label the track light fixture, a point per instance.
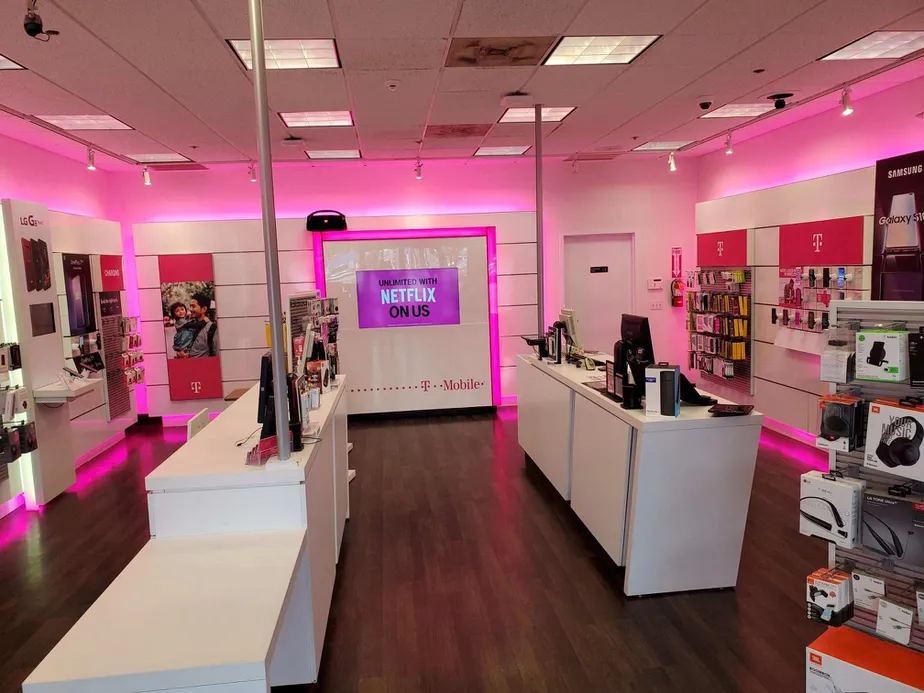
(671, 164)
(728, 145)
(91, 160)
(418, 170)
(253, 173)
(845, 102)
(146, 175)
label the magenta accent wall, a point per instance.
(882, 125)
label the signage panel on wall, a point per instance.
(829, 242)
(723, 249)
(81, 315)
(111, 278)
(407, 297)
(899, 215)
(190, 321)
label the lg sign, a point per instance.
(31, 221)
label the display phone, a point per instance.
(45, 265)
(28, 264)
(826, 277)
(841, 277)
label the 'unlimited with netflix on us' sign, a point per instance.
(408, 298)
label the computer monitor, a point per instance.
(569, 318)
(636, 330)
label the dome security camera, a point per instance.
(393, 84)
(779, 103)
(33, 24)
(705, 105)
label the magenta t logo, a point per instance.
(816, 242)
(720, 247)
(196, 386)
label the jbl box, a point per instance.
(662, 390)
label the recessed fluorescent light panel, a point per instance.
(334, 154)
(317, 119)
(165, 158)
(7, 64)
(599, 50)
(290, 54)
(528, 115)
(882, 45)
(662, 146)
(502, 151)
(84, 122)
(740, 110)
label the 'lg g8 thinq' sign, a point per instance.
(408, 298)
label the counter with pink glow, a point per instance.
(667, 498)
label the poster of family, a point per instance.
(187, 288)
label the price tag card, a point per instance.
(894, 622)
(867, 590)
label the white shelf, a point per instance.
(58, 393)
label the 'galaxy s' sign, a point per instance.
(408, 298)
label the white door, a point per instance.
(599, 278)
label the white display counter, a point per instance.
(667, 498)
(234, 589)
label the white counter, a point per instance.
(665, 497)
(214, 459)
(190, 613)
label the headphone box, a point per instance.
(841, 419)
(829, 508)
(894, 437)
(882, 355)
(662, 390)
(845, 659)
(893, 527)
(916, 358)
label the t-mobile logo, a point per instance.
(816, 242)
(196, 386)
(720, 247)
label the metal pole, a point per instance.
(540, 246)
(280, 384)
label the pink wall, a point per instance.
(882, 125)
(61, 184)
(638, 196)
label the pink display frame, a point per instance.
(489, 233)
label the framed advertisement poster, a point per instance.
(190, 315)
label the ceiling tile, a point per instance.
(910, 22)
(462, 153)
(749, 19)
(521, 18)
(525, 132)
(466, 107)
(409, 154)
(469, 144)
(497, 79)
(608, 18)
(29, 93)
(393, 18)
(281, 18)
(571, 85)
(702, 51)
(377, 106)
(389, 54)
(307, 90)
(845, 21)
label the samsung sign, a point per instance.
(907, 171)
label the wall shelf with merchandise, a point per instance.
(883, 558)
(719, 322)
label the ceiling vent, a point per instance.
(292, 141)
(498, 52)
(191, 166)
(441, 132)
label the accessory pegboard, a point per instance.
(720, 315)
(901, 578)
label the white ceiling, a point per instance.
(166, 70)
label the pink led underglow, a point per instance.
(16, 501)
(15, 527)
(182, 419)
(805, 453)
(106, 456)
(490, 235)
(101, 448)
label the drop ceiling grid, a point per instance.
(184, 88)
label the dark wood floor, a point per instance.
(461, 571)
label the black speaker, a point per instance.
(326, 220)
